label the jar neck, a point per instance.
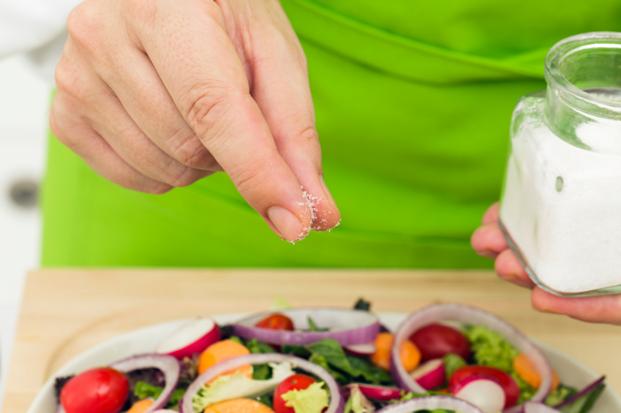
(583, 75)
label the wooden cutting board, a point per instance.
(66, 312)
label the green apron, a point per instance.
(413, 104)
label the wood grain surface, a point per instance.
(65, 312)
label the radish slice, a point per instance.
(470, 315)
(166, 364)
(430, 375)
(531, 407)
(191, 338)
(379, 393)
(487, 395)
(431, 403)
(348, 327)
(361, 350)
(336, 399)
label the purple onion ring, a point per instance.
(336, 400)
(469, 315)
(431, 403)
(166, 364)
(348, 327)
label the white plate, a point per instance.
(146, 339)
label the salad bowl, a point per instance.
(145, 340)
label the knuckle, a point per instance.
(190, 151)
(248, 180)
(83, 25)
(184, 178)
(57, 120)
(66, 79)
(207, 104)
(308, 135)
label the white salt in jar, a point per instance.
(561, 203)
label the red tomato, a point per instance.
(276, 321)
(101, 390)
(437, 340)
(466, 374)
(295, 382)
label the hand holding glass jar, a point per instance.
(489, 241)
(558, 228)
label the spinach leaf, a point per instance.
(329, 354)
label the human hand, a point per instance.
(156, 94)
(488, 241)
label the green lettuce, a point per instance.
(452, 363)
(490, 348)
(238, 385)
(358, 403)
(313, 399)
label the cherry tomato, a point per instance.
(437, 340)
(466, 374)
(102, 390)
(295, 382)
(276, 321)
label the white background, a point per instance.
(23, 118)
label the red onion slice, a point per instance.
(166, 364)
(468, 315)
(531, 407)
(361, 350)
(431, 403)
(336, 400)
(348, 327)
(376, 392)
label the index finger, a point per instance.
(205, 77)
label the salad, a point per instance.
(445, 358)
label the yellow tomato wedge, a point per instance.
(527, 371)
(221, 351)
(409, 354)
(238, 406)
(141, 406)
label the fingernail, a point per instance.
(286, 223)
(323, 224)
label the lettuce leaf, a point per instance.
(313, 399)
(238, 385)
(490, 348)
(358, 403)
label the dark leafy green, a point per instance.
(329, 354)
(362, 305)
(144, 390)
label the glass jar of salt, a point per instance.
(561, 203)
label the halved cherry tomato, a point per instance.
(276, 321)
(295, 382)
(102, 390)
(466, 374)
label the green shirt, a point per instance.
(413, 103)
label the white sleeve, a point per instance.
(26, 25)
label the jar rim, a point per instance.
(573, 44)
